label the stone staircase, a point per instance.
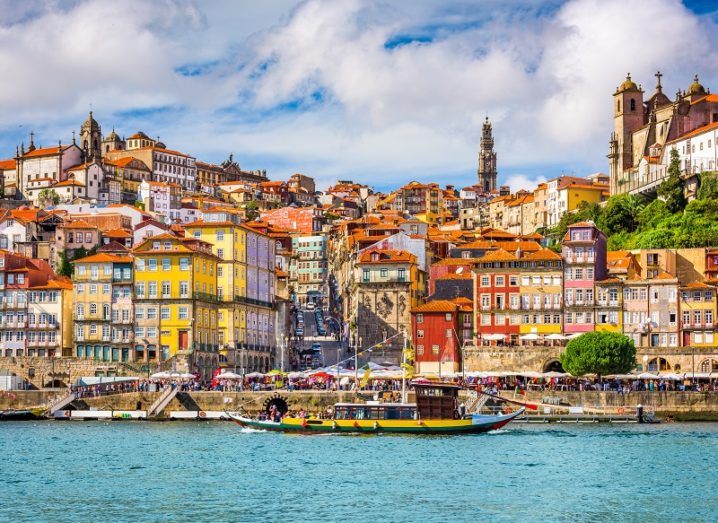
(168, 394)
(62, 403)
(475, 403)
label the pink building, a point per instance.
(584, 258)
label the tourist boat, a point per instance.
(436, 411)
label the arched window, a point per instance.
(658, 364)
(709, 366)
(633, 104)
(618, 106)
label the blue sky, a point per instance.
(380, 92)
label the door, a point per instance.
(183, 340)
(686, 339)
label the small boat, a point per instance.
(435, 412)
(19, 415)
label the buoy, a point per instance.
(356, 424)
(202, 414)
(67, 413)
(304, 423)
(621, 410)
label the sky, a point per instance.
(380, 92)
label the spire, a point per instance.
(658, 76)
(31, 147)
(73, 137)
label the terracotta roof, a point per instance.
(8, 165)
(79, 224)
(440, 306)
(609, 280)
(696, 132)
(582, 224)
(117, 233)
(454, 261)
(707, 98)
(280, 273)
(125, 161)
(497, 255)
(387, 256)
(697, 285)
(69, 182)
(48, 151)
(53, 284)
(543, 254)
(104, 258)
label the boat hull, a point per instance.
(471, 425)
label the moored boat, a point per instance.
(435, 412)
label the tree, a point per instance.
(250, 211)
(48, 197)
(66, 268)
(599, 353)
(672, 190)
(620, 214)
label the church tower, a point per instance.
(628, 116)
(91, 139)
(487, 159)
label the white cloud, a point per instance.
(313, 88)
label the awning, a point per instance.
(531, 337)
(493, 337)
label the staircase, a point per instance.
(474, 404)
(159, 405)
(62, 403)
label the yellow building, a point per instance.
(540, 290)
(176, 301)
(609, 305)
(49, 317)
(221, 228)
(698, 314)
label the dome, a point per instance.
(628, 85)
(160, 145)
(139, 135)
(696, 87)
(113, 136)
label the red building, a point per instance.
(711, 271)
(495, 277)
(439, 330)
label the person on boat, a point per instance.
(302, 413)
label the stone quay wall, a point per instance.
(44, 372)
(686, 406)
(539, 358)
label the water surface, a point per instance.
(209, 471)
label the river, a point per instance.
(209, 471)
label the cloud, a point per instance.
(382, 93)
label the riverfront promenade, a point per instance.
(681, 406)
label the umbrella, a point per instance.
(255, 375)
(321, 375)
(555, 337)
(554, 374)
(647, 376)
(530, 337)
(228, 376)
(493, 337)
(670, 376)
(531, 374)
(160, 375)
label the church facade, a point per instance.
(646, 130)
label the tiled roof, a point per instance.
(543, 254)
(440, 306)
(387, 256)
(8, 165)
(48, 151)
(79, 224)
(117, 233)
(104, 258)
(497, 255)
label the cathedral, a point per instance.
(487, 159)
(646, 130)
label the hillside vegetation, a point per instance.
(633, 222)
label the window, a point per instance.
(449, 333)
(151, 313)
(140, 289)
(165, 313)
(365, 275)
(420, 333)
(166, 289)
(419, 318)
(220, 235)
(153, 289)
(500, 281)
(166, 264)
(184, 264)
(93, 308)
(383, 272)
(220, 253)
(184, 289)
(183, 313)
(485, 281)
(419, 350)
(435, 349)
(152, 264)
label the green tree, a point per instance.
(621, 214)
(66, 268)
(250, 211)
(48, 197)
(672, 188)
(599, 353)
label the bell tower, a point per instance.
(487, 159)
(91, 139)
(628, 115)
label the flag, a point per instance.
(365, 378)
